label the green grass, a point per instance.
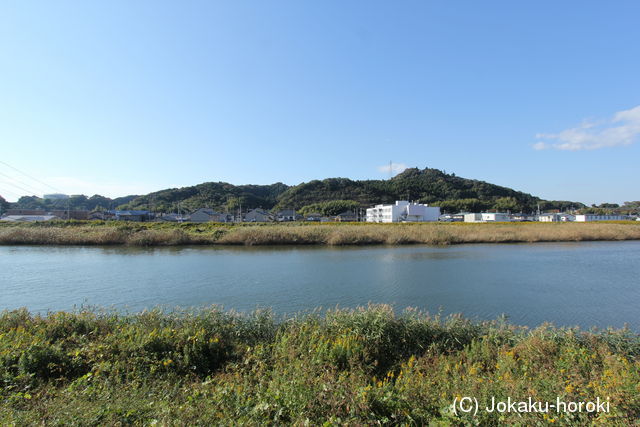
(167, 234)
(363, 366)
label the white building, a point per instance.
(487, 217)
(592, 217)
(556, 217)
(403, 211)
(28, 218)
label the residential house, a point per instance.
(403, 211)
(487, 217)
(130, 215)
(556, 217)
(208, 215)
(347, 216)
(287, 215)
(172, 217)
(97, 216)
(314, 216)
(548, 217)
(257, 215)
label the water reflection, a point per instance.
(569, 284)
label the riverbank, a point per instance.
(166, 234)
(362, 366)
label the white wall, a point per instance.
(590, 217)
(487, 217)
(402, 210)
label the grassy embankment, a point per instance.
(158, 234)
(364, 366)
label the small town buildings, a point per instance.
(172, 217)
(257, 215)
(96, 216)
(487, 217)
(314, 216)
(60, 213)
(27, 212)
(548, 217)
(521, 217)
(556, 217)
(472, 217)
(129, 215)
(208, 215)
(287, 215)
(451, 218)
(347, 216)
(593, 217)
(28, 218)
(403, 211)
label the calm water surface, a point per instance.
(586, 284)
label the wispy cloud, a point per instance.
(622, 129)
(392, 168)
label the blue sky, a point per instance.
(126, 97)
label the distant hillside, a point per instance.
(431, 186)
(81, 202)
(216, 195)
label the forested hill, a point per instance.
(431, 186)
(77, 202)
(427, 186)
(216, 195)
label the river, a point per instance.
(583, 284)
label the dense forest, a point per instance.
(451, 192)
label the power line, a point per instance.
(29, 176)
(37, 191)
(17, 186)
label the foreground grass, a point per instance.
(158, 234)
(364, 366)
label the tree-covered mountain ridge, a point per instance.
(438, 188)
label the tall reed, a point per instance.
(150, 234)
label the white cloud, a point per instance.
(392, 168)
(622, 130)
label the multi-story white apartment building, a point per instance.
(403, 211)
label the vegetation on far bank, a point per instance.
(439, 188)
(362, 366)
(173, 234)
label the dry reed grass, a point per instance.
(435, 234)
(316, 234)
